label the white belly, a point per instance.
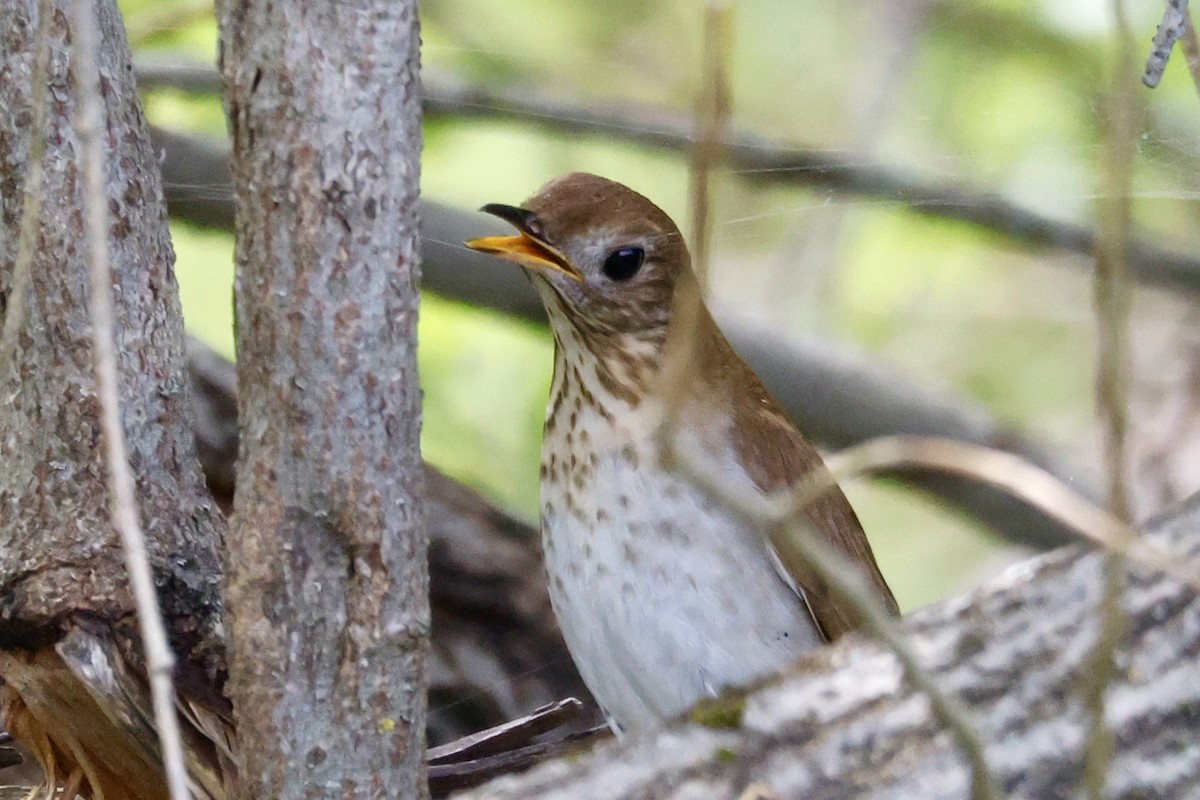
(663, 598)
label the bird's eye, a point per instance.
(623, 263)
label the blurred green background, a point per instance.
(1001, 96)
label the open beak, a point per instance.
(527, 248)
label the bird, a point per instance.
(664, 596)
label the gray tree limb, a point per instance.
(843, 724)
(838, 397)
(326, 579)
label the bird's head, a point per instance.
(604, 258)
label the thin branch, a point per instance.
(1170, 30)
(35, 173)
(711, 115)
(447, 777)
(1112, 295)
(90, 125)
(1005, 471)
(760, 160)
(509, 735)
(712, 122)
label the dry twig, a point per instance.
(160, 660)
(511, 747)
(712, 121)
(1005, 471)
(1112, 295)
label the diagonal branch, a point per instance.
(763, 161)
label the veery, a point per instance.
(663, 596)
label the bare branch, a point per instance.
(446, 776)
(713, 107)
(1112, 295)
(760, 160)
(509, 735)
(1006, 471)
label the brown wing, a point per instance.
(777, 456)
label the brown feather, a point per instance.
(776, 456)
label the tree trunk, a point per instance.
(327, 584)
(62, 573)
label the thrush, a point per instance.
(664, 596)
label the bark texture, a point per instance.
(326, 570)
(843, 723)
(62, 573)
(60, 559)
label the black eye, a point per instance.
(623, 264)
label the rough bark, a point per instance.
(836, 396)
(843, 723)
(326, 570)
(59, 556)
